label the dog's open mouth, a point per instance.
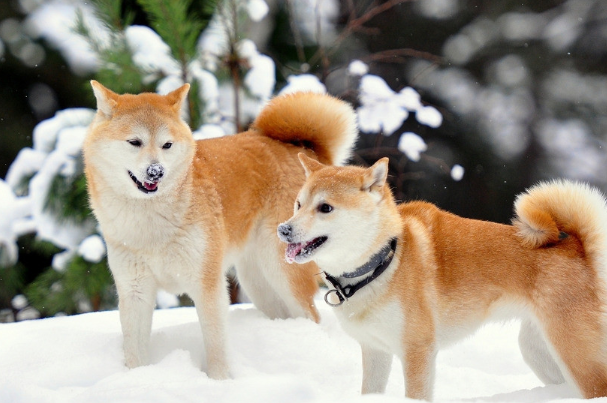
(301, 250)
(145, 187)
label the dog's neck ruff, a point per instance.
(378, 263)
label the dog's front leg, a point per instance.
(376, 369)
(419, 364)
(212, 304)
(136, 301)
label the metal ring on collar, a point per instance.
(339, 296)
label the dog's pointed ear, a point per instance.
(178, 96)
(375, 176)
(309, 165)
(106, 99)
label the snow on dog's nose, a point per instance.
(285, 232)
(153, 175)
(155, 172)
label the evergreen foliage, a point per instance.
(116, 62)
(171, 20)
(68, 199)
(12, 281)
(82, 286)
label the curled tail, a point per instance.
(319, 122)
(546, 211)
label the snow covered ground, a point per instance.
(79, 359)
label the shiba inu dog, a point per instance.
(408, 279)
(176, 214)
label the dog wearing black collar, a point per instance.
(409, 279)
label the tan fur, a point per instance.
(216, 207)
(450, 274)
(308, 122)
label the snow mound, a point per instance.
(79, 359)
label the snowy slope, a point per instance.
(79, 359)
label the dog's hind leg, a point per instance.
(376, 369)
(253, 281)
(295, 287)
(537, 355)
(577, 338)
(278, 289)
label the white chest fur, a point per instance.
(152, 237)
(140, 224)
(379, 327)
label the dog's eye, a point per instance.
(297, 205)
(325, 208)
(167, 145)
(134, 143)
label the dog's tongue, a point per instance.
(292, 250)
(150, 185)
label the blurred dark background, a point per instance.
(508, 77)
(521, 85)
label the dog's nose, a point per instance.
(285, 232)
(155, 172)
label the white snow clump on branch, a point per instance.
(385, 110)
(261, 77)
(457, 172)
(150, 53)
(56, 151)
(92, 249)
(54, 21)
(316, 19)
(257, 9)
(412, 145)
(303, 83)
(14, 221)
(357, 68)
(429, 116)
(208, 131)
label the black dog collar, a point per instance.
(378, 262)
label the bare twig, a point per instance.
(324, 60)
(438, 162)
(398, 55)
(234, 65)
(296, 33)
(355, 24)
(229, 16)
(375, 10)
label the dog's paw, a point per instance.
(219, 373)
(133, 361)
